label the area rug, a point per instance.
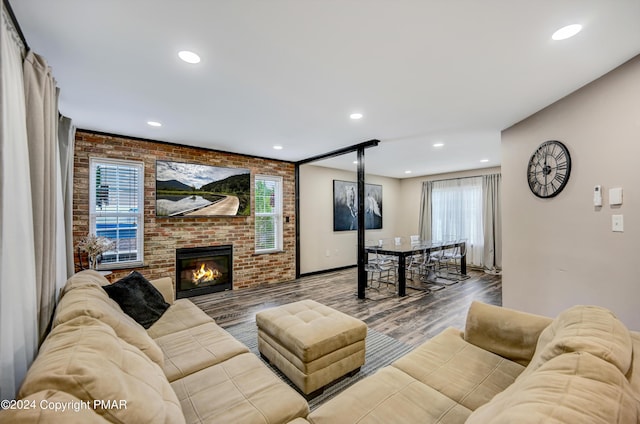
(380, 351)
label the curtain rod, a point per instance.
(15, 23)
(461, 178)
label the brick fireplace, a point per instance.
(203, 270)
(162, 236)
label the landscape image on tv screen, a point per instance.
(189, 190)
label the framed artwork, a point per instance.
(345, 206)
(193, 190)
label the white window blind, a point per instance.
(268, 213)
(117, 209)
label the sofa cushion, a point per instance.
(506, 332)
(634, 371)
(389, 396)
(86, 278)
(93, 301)
(461, 371)
(165, 287)
(573, 387)
(138, 298)
(239, 390)
(52, 406)
(196, 348)
(85, 358)
(182, 315)
(591, 329)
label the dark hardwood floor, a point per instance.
(412, 319)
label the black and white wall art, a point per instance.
(345, 206)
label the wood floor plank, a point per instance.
(412, 319)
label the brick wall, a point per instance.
(163, 235)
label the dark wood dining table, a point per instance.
(405, 250)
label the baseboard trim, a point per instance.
(324, 271)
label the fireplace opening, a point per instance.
(203, 270)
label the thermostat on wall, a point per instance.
(597, 195)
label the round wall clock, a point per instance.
(549, 169)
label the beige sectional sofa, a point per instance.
(102, 366)
(506, 367)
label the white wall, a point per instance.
(320, 247)
(561, 251)
(411, 192)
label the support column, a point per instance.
(362, 273)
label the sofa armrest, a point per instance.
(506, 332)
(165, 287)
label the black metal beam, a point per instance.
(362, 273)
(297, 220)
(339, 152)
(359, 148)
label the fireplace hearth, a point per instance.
(203, 270)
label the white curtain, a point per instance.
(42, 135)
(18, 299)
(456, 213)
(60, 234)
(492, 211)
(425, 211)
(466, 208)
(66, 142)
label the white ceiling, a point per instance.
(290, 72)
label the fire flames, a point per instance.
(205, 274)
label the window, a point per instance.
(456, 213)
(268, 213)
(116, 208)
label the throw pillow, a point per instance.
(138, 298)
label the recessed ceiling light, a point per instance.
(355, 162)
(277, 147)
(438, 144)
(154, 124)
(484, 160)
(189, 57)
(355, 116)
(566, 32)
(407, 172)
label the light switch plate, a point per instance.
(617, 223)
(615, 196)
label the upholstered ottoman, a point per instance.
(311, 344)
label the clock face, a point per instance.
(549, 169)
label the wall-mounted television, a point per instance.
(195, 190)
